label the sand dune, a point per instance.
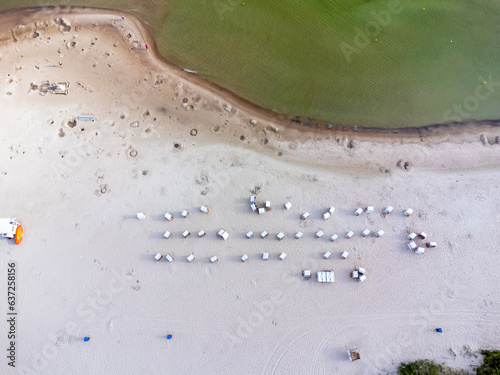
(163, 140)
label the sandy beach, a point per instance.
(164, 140)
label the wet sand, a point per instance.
(165, 140)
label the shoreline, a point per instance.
(313, 127)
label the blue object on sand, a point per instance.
(169, 337)
(86, 338)
(439, 330)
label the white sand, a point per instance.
(86, 268)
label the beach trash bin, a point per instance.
(334, 237)
(349, 234)
(280, 236)
(319, 234)
(327, 255)
(365, 233)
(158, 256)
(304, 216)
(282, 256)
(344, 255)
(358, 211)
(369, 209)
(288, 205)
(141, 215)
(380, 233)
(249, 234)
(298, 235)
(244, 258)
(265, 256)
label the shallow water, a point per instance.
(352, 62)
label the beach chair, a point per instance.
(282, 256)
(169, 217)
(280, 236)
(369, 210)
(344, 255)
(298, 235)
(288, 205)
(327, 255)
(249, 234)
(358, 211)
(265, 256)
(349, 234)
(244, 258)
(366, 232)
(167, 234)
(334, 237)
(190, 258)
(158, 256)
(141, 215)
(319, 234)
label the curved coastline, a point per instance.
(311, 127)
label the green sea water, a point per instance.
(372, 63)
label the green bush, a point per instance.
(426, 367)
(491, 363)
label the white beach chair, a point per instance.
(331, 210)
(354, 274)
(282, 256)
(305, 215)
(267, 205)
(262, 211)
(362, 278)
(298, 235)
(244, 258)
(253, 207)
(422, 235)
(358, 211)
(411, 236)
(361, 271)
(326, 216)
(169, 258)
(264, 234)
(201, 233)
(252, 199)
(369, 210)
(431, 244)
(169, 217)
(288, 205)
(380, 233)
(344, 255)
(184, 214)
(249, 234)
(420, 250)
(204, 209)
(334, 237)
(141, 215)
(388, 210)
(349, 234)
(366, 232)
(214, 259)
(158, 256)
(280, 236)
(265, 256)
(306, 274)
(408, 212)
(319, 234)
(412, 245)
(190, 258)
(167, 234)
(327, 255)
(186, 234)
